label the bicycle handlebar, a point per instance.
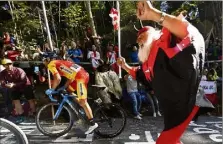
(51, 98)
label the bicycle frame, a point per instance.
(65, 100)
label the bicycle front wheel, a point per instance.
(8, 130)
(111, 120)
(54, 128)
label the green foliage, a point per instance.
(128, 12)
(74, 14)
(26, 21)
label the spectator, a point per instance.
(63, 50)
(132, 90)
(134, 55)
(46, 47)
(13, 54)
(148, 97)
(17, 83)
(22, 56)
(204, 76)
(94, 56)
(111, 58)
(212, 74)
(75, 53)
(6, 38)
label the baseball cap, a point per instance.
(6, 61)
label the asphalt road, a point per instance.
(208, 130)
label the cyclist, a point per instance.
(77, 79)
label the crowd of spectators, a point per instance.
(87, 50)
(91, 50)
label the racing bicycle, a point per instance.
(111, 118)
(11, 133)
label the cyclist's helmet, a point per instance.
(48, 56)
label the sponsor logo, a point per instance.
(67, 70)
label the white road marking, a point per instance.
(88, 138)
(27, 123)
(216, 137)
(194, 124)
(63, 139)
(213, 122)
(218, 125)
(149, 137)
(205, 130)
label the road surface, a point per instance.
(208, 130)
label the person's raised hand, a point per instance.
(145, 10)
(121, 61)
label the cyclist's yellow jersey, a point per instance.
(66, 69)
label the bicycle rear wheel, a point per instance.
(111, 120)
(54, 128)
(7, 127)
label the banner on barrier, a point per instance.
(209, 87)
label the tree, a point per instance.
(90, 18)
(26, 19)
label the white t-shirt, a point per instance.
(94, 58)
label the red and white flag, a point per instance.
(114, 15)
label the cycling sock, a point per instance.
(91, 122)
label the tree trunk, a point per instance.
(53, 24)
(91, 21)
(14, 18)
(40, 22)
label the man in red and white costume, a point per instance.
(172, 61)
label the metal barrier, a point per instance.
(88, 63)
(40, 62)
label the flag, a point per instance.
(114, 15)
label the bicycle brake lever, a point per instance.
(52, 99)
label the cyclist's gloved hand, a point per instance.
(61, 89)
(49, 91)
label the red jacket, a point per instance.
(12, 55)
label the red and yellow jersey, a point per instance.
(67, 69)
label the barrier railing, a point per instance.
(88, 63)
(40, 62)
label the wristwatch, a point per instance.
(160, 22)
